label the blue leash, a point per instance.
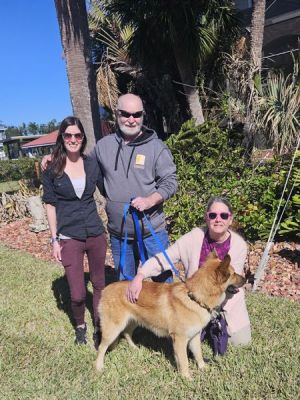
(138, 235)
(124, 244)
(140, 241)
(158, 242)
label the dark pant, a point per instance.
(72, 253)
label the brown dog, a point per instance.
(180, 310)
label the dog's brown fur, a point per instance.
(179, 310)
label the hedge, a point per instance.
(14, 170)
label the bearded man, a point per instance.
(138, 168)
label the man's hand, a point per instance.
(134, 288)
(141, 203)
(144, 203)
(56, 251)
(45, 161)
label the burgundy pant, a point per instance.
(72, 253)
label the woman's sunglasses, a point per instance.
(223, 215)
(127, 114)
(68, 136)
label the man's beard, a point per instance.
(128, 131)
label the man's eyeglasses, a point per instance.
(68, 136)
(127, 114)
(223, 215)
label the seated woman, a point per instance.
(192, 250)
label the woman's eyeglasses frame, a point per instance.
(223, 215)
(77, 136)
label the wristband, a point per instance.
(53, 240)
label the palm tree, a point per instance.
(174, 37)
(156, 36)
(110, 49)
(72, 18)
(117, 72)
(257, 32)
(256, 43)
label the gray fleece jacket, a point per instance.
(139, 168)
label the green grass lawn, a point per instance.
(39, 360)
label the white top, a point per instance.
(78, 185)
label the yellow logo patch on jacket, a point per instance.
(140, 161)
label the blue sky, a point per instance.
(33, 78)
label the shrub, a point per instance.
(209, 163)
(291, 223)
(14, 170)
(277, 109)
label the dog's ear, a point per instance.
(226, 262)
(212, 255)
(222, 271)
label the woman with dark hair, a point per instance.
(193, 248)
(69, 184)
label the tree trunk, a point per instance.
(188, 81)
(256, 44)
(257, 33)
(72, 19)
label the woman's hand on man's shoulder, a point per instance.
(45, 161)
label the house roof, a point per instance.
(50, 138)
(21, 139)
(45, 140)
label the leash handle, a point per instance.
(140, 242)
(161, 247)
(124, 245)
(138, 235)
(125, 240)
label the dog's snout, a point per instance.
(239, 280)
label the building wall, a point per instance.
(243, 4)
(2, 133)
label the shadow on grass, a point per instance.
(61, 292)
(143, 337)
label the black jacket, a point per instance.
(76, 218)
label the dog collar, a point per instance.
(213, 311)
(203, 305)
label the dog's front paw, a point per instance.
(186, 375)
(99, 364)
(202, 365)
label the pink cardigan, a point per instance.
(187, 250)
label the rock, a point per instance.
(37, 212)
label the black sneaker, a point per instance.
(80, 335)
(97, 338)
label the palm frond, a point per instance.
(107, 86)
(278, 111)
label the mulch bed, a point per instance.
(282, 277)
(17, 235)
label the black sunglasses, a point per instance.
(68, 136)
(223, 215)
(127, 114)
